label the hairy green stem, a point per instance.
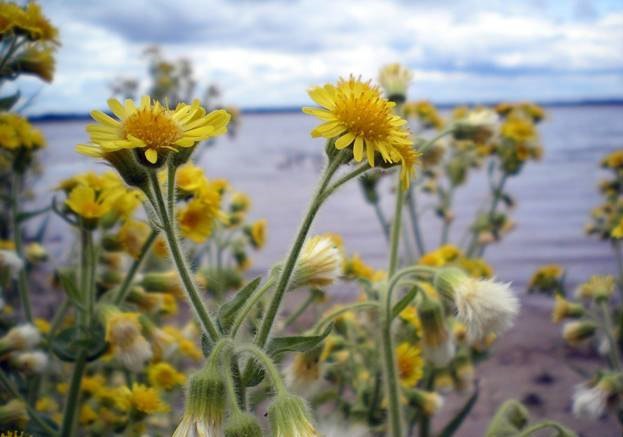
(288, 267)
(615, 356)
(447, 222)
(382, 219)
(339, 311)
(179, 260)
(242, 314)
(542, 425)
(415, 223)
(122, 292)
(72, 405)
(300, 310)
(395, 232)
(267, 363)
(616, 244)
(392, 387)
(22, 279)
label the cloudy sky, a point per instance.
(266, 53)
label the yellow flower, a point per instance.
(240, 202)
(132, 235)
(186, 346)
(164, 376)
(410, 316)
(257, 233)
(62, 388)
(87, 415)
(85, 202)
(8, 137)
(597, 287)
(356, 114)
(126, 201)
(617, 231)
(152, 128)
(23, 133)
(143, 399)
(425, 112)
(42, 325)
(189, 178)
(196, 220)
(409, 363)
(613, 160)
(37, 25)
(518, 129)
(564, 309)
(46, 404)
(355, 267)
(36, 61)
(126, 340)
(93, 384)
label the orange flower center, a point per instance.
(363, 111)
(155, 128)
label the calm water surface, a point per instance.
(276, 162)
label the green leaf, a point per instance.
(27, 215)
(299, 343)
(6, 103)
(455, 423)
(404, 302)
(69, 285)
(70, 342)
(227, 312)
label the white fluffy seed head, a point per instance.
(10, 259)
(484, 306)
(22, 337)
(31, 362)
(589, 402)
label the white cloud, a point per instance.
(268, 53)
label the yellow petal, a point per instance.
(344, 141)
(117, 108)
(151, 155)
(104, 118)
(358, 149)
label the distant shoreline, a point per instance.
(297, 109)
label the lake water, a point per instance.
(275, 161)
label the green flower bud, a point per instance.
(242, 425)
(290, 416)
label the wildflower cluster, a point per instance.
(592, 314)
(155, 297)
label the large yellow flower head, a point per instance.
(356, 114)
(151, 128)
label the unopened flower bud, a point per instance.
(289, 416)
(428, 401)
(578, 331)
(319, 264)
(13, 414)
(205, 404)
(438, 345)
(242, 425)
